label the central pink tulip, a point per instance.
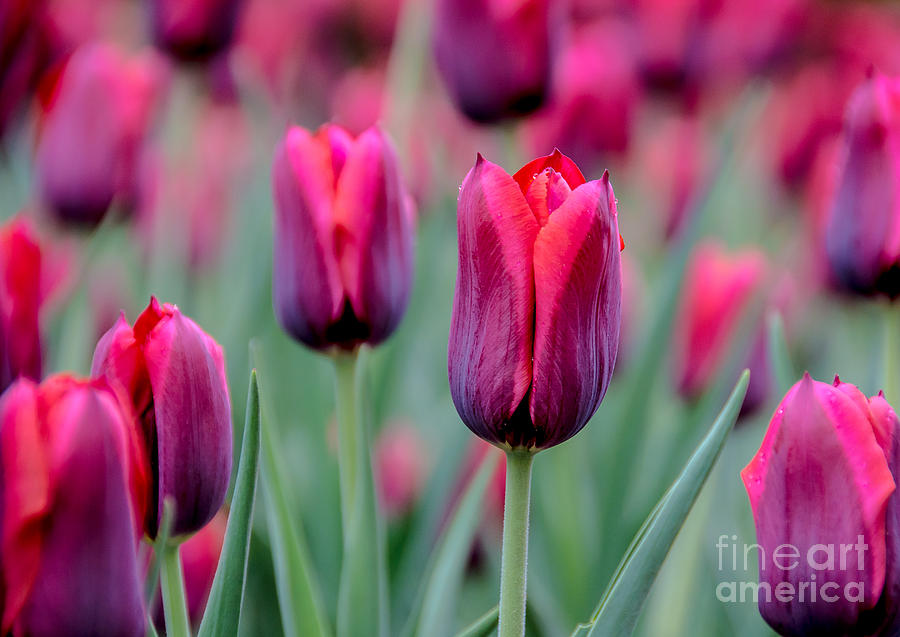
(343, 238)
(535, 326)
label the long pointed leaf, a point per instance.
(302, 610)
(223, 610)
(483, 626)
(618, 610)
(434, 616)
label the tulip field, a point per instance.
(436, 318)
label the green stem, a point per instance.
(174, 601)
(514, 558)
(892, 352)
(348, 428)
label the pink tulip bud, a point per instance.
(194, 30)
(862, 238)
(68, 551)
(535, 325)
(820, 488)
(343, 238)
(173, 374)
(496, 56)
(400, 468)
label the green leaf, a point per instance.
(779, 356)
(483, 626)
(299, 597)
(433, 614)
(223, 610)
(620, 607)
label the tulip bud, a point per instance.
(819, 489)
(535, 325)
(343, 238)
(400, 468)
(20, 301)
(173, 374)
(68, 553)
(862, 238)
(92, 136)
(496, 56)
(718, 290)
(194, 30)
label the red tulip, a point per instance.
(718, 290)
(535, 325)
(68, 549)
(496, 56)
(819, 488)
(862, 237)
(173, 374)
(194, 29)
(91, 142)
(20, 303)
(343, 238)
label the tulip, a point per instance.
(400, 469)
(496, 57)
(68, 552)
(343, 238)
(862, 237)
(90, 147)
(194, 30)
(820, 488)
(719, 289)
(20, 302)
(535, 325)
(173, 374)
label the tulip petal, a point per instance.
(373, 235)
(20, 302)
(24, 495)
(555, 160)
(193, 420)
(88, 582)
(306, 283)
(578, 281)
(491, 330)
(819, 478)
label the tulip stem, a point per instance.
(348, 427)
(514, 558)
(892, 352)
(174, 601)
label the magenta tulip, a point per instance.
(821, 488)
(173, 374)
(194, 30)
(68, 555)
(535, 325)
(862, 237)
(343, 238)
(496, 57)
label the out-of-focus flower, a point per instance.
(820, 482)
(343, 238)
(68, 553)
(21, 294)
(91, 140)
(594, 99)
(194, 30)
(862, 237)
(496, 56)
(400, 468)
(173, 374)
(24, 55)
(536, 314)
(358, 99)
(199, 560)
(719, 288)
(676, 158)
